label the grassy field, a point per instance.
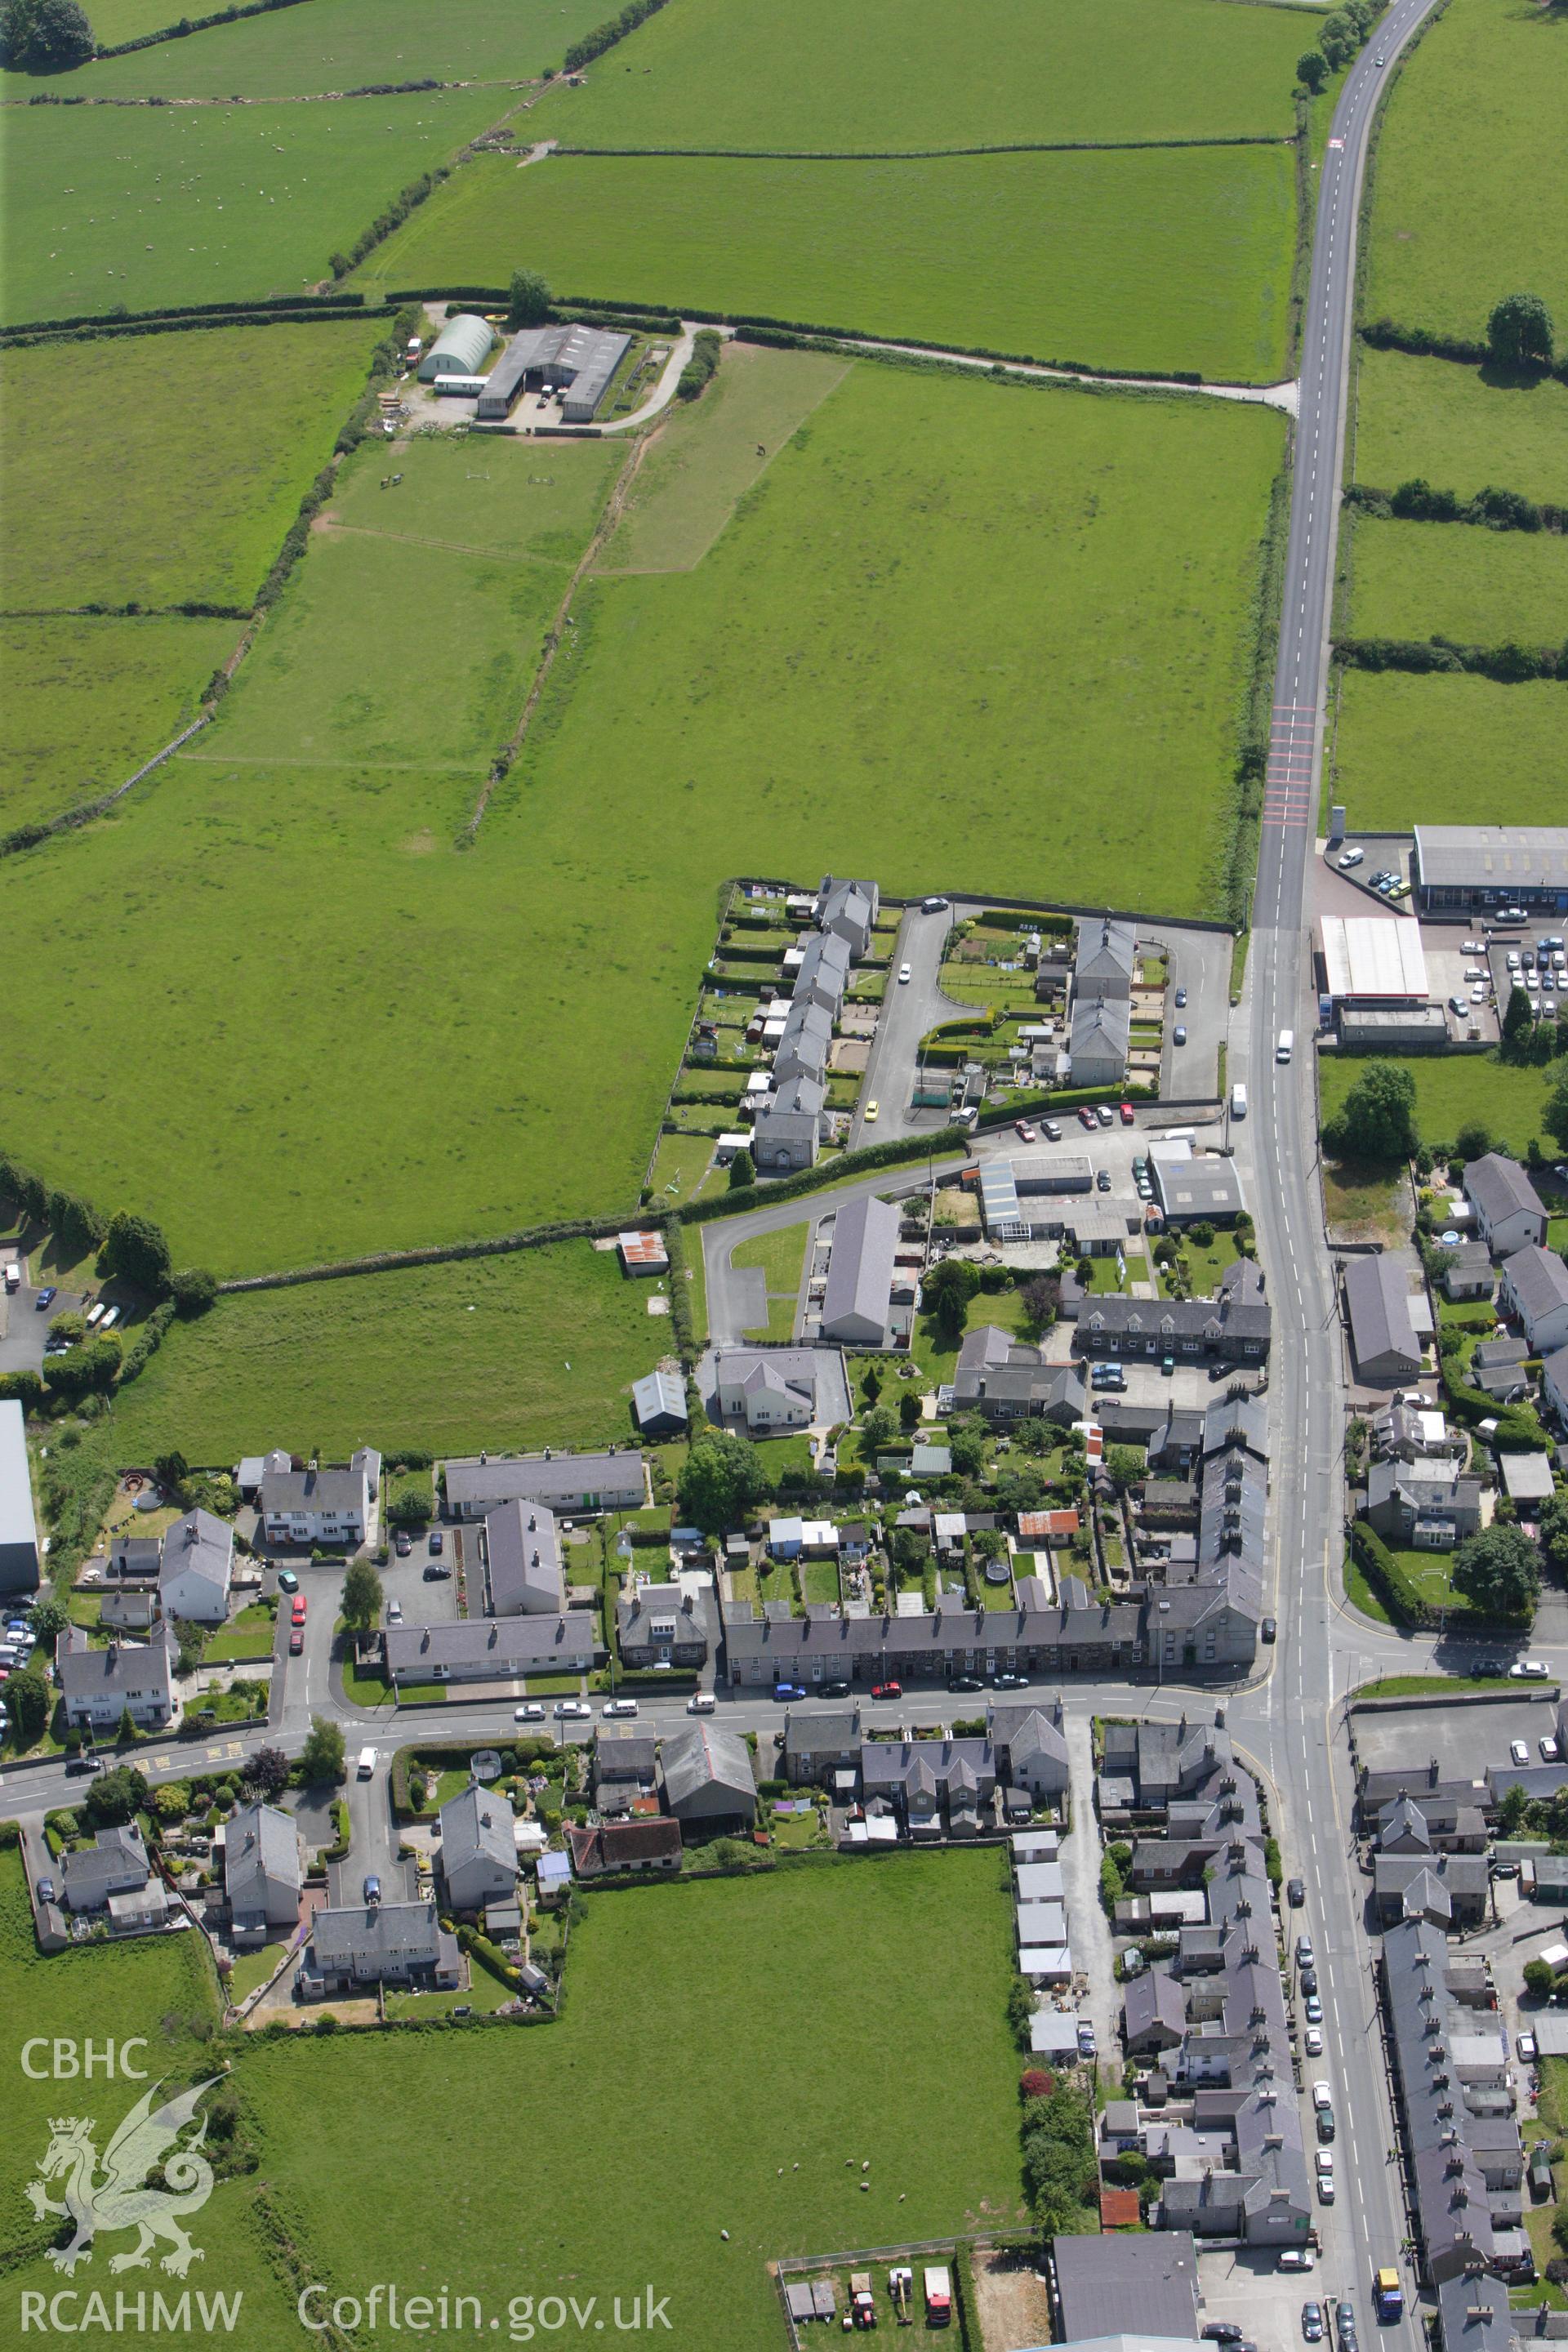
(779, 2169)
(716, 73)
(145, 206)
(1453, 580)
(491, 498)
(1454, 1089)
(538, 1347)
(337, 45)
(708, 455)
(871, 633)
(1171, 258)
(1470, 153)
(779, 1255)
(1457, 429)
(199, 445)
(1462, 751)
(88, 701)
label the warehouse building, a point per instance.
(19, 1527)
(1524, 866)
(577, 362)
(461, 348)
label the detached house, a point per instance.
(195, 1564)
(1422, 1505)
(709, 1782)
(769, 1392)
(661, 1625)
(318, 1506)
(479, 1848)
(115, 1863)
(1535, 1289)
(97, 1685)
(1509, 1211)
(263, 1870)
(1007, 1380)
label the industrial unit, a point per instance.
(577, 361)
(1524, 866)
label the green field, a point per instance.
(143, 206)
(780, 2169)
(1456, 750)
(1176, 258)
(915, 74)
(488, 498)
(199, 447)
(1457, 430)
(1456, 580)
(88, 701)
(452, 1357)
(869, 634)
(1453, 1090)
(706, 455)
(337, 45)
(1470, 154)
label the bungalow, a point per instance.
(100, 1686)
(379, 1943)
(479, 1848)
(115, 1863)
(320, 1506)
(769, 1392)
(708, 1778)
(662, 1625)
(1535, 1289)
(1007, 1381)
(521, 1551)
(617, 1846)
(564, 1483)
(196, 1563)
(1508, 1212)
(263, 1870)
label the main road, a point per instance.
(1280, 1140)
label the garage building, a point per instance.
(1373, 960)
(461, 348)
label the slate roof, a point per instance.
(1377, 1300)
(523, 1551)
(1538, 1280)
(621, 1845)
(390, 1931)
(1423, 2020)
(199, 1545)
(1207, 1319)
(260, 1847)
(1500, 1188)
(85, 1672)
(477, 1825)
(703, 1757)
(860, 1265)
(1141, 2286)
(555, 1479)
(510, 1644)
(116, 1861)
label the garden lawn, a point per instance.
(87, 702)
(899, 74)
(165, 469)
(872, 631)
(784, 1960)
(1452, 749)
(337, 45)
(1470, 202)
(1172, 259)
(150, 206)
(779, 1255)
(452, 1357)
(1460, 428)
(1455, 1090)
(1455, 580)
(252, 1635)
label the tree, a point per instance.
(46, 35)
(1554, 1113)
(28, 1696)
(135, 1249)
(1474, 1140)
(1125, 1465)
(1042, 1299)
(1312, 70)
(193, 1290)
(269, 1771)
(1519, 333)
(742, 1170)
(48, 1619)
(115, 1797)
(529, 304)
(1512, 1807)
(361, 1597)
(966, 1442)
(24, 1388)
(871, 1382)
(721, 1478)
(878, 1425)
(1378, 1121)
(411, 1508)
(948, 1289)
(1538, 1979)
(75, 1224)
(321, 1758)
(1500, 1570)
(1518, 1015)
(125, 1735)
(910, 1416)
(172, 1470)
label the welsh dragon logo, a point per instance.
(116, 2196)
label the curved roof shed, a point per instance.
(461, 348)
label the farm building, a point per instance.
(1521, 865)
(19, 1527)
(461, 348)
(575, 362)
(643, 1252)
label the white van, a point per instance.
(620, 1706)
(95, 1316)
(1287, 1046)
(366, 1762)
(12, 1275)
(1238, 1101)
(701, 1703)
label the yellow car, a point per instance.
(871, 1110)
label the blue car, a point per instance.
(789, 1690)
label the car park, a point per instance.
(1518, 1752)
(1350, 857)
(530, 1712)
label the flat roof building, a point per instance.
(1373, 960)
(1492, 865)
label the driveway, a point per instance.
(910, 1008)
(376, 1839)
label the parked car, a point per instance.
(1528, 2048)
(45, 1298)
(1105, 1115)
(46, 1890)
(1102, 1179)
(405, 1545)
(614, 1707)
(1086, 2047)
(1298, 2258)
(1051, 1130)
(1181, 999)
(789, 1690)
(572, 1710)
(1313, 2322)
(887, 1690)
(1308, 1980)
(1518, 1752)
(701, 1703)
(1179, 1034)
(436, 1572)
(1010, 1681)
(837, 1689)
(1305, 1956)
(1221, 2331)
(1458, 1004)
(530, 1712)
(1085, 1116)
(1321, 2096)
(1296, 1892)
(1472, 947)
(437, 1541)
(932, 906)
(297, 1642)
(1315, 2010)
(872, 1111)
(1312, 2040)
(1126, 1114)
(394, 1612)
(1023, 1132)
(297, 1611)
(906, 974)
(1345, 2323)
(1550, 1751)
(286, 1580)
(1490, 1666)
(372, 1887)
(964, 1682)
(1270, 1630)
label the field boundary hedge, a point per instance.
(28, 836)
(186, 312)
(14, 340)
(1510, 663)
(932, 155)
(609, 34)
(1492, 508)
(1421, 343)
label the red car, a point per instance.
(1126, 1109)
(1023, 1132)
(297, 1642)
(1086, 1116)
(299, 1609)
(887, 1690)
